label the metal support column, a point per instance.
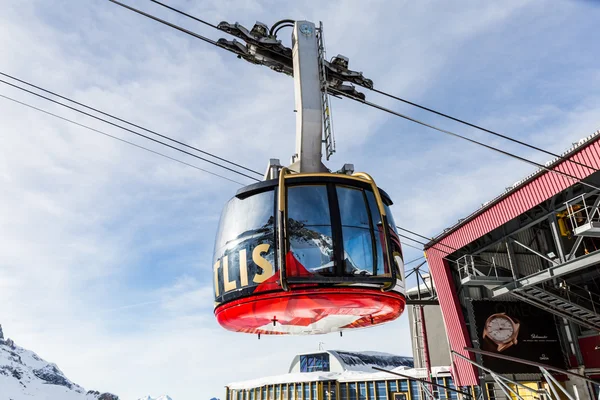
(556, 236)
(425, 344)
(309, 107)
(511, 258)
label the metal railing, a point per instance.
(473, 266)
(575, 294)
(580, 213)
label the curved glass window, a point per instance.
(245, 245)
(309, 228)
(390, 218)
(380, 260)
(356, 231)
(319, 216)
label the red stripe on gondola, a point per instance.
(310, 311)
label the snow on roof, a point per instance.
(346, 376)
(285, 378)
(365, 360)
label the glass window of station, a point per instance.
(355, 390)
(314, 362)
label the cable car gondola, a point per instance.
(308, 253)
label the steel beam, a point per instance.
(305, 53)
(537, 253)
(549, 273)
(529, 225)
(575, 247)
(557, 240)
(527, 362)
(511, 259)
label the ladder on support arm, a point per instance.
(328, 138)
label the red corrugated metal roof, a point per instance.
(523, 196)
(530, 191)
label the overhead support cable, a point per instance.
(424, 237)
(410, 245)
(456, 135)
(128, 122)
(415, 260)
(117, 138)
(423, 244)
(481, 128)
(346, 91)
(388, 95)
(184, 13)
(162, 21)
(129, 130)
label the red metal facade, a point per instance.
(529, 194)
(463, 372)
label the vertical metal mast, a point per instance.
(309, 106)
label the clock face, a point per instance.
(500, 329)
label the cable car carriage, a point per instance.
(308, 253)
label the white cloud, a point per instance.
(105, 249)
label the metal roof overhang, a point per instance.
(526, 194)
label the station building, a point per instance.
(345, 375)
(520, 276)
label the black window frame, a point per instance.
(332, 181)
(336, 229)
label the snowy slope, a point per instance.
(24, 375)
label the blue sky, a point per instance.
(107, 249)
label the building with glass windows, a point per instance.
(344, 375)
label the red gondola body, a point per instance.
(314, 259)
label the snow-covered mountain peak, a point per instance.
(25, 375)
